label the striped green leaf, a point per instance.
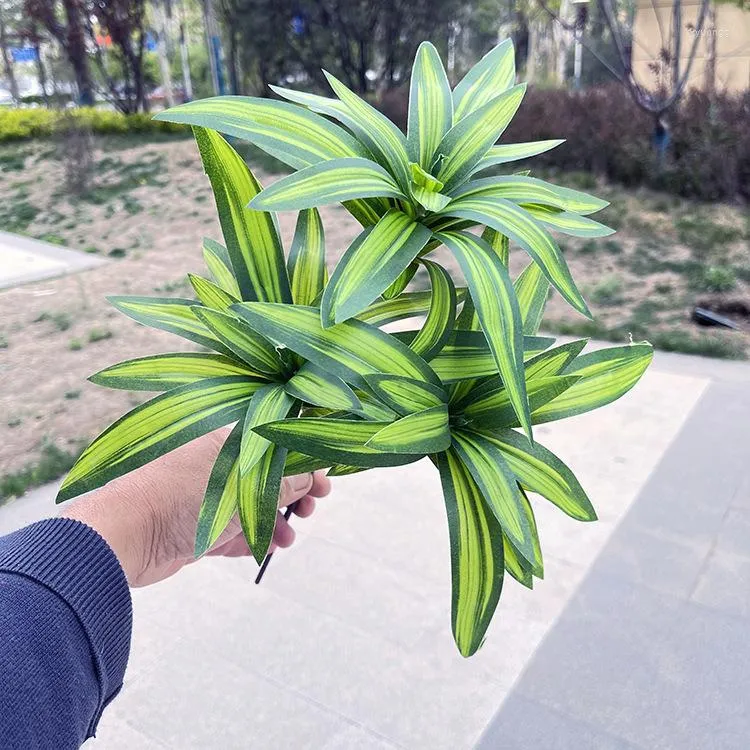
(406, 305)
(398, 286)
(376, 131)
(169, 314)
(313, 385)
(494, 74)
(219, 265)
(373, 408)
(211, 294)
(507, 152)
(405, 395)
(349, 350)
(469, 139)
(251, 237)
(220, 501)
(292, 134)
(518, 188)
(242, 340)
(333, 440)
(499, 243)
(541, 471)
(553, 361)
(535, 567)
(328, 182)
(513, 221)
(605, 375)
(161, 372)
(438, 326)
(498, 486)
(516, 565)
(371, 264)
(421, 433)
(429, 199)
(568, 222)
(430, 105)
(299, 463)
(476, 554)
(489, 404)
(467, 355)
(532, 292)
(497, 308)
(258, 500)
(341, 470)
(157, 427)
(268, 404)
(307, 258)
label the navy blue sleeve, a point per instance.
(65, 624)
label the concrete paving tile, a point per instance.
(522, 724)
(354, 738)
(734, 533)
(724, 584)
(114, 733)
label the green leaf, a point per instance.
(299, 463)
(476, 554)
(497, 308)
(371, 264)
(532, 292)
(314, 385)
(398, 286)
(242, 340)
(489, 404)
(430, 200)
(251, 237)
(291, 134)
(219, 265)
(438, 326)
(406, 305)
(541, 471)
(553, 361)
(469, 139)
(467, 355)
(499, 243)
(333, 440)
(513, 559)
(210, 294)
(507, 152)
(374, 409)
(405, 395)
(328, 182)
(518, 188)
(161, 372)
(605, 375)
(307, 258)
(157, 427)
(568, 222)
(498, 486)
(169, 314)
(430, 105)
(349, 350)
(376, 131)
(422, 433)
(494, 74)
(341, 470)
(220, 501)
(513, 221)
(259, 499)
(268, 404)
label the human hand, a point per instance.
(149, 517)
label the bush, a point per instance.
(22, 124)
(607, 134)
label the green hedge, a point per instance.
(22, 124)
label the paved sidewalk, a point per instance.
(23, 260)
(347, 645)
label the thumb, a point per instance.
(294, 487)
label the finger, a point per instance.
(321, 485)
(234, 547)
(294, 487)
(283, 534)
(304, 507)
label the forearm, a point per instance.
(65, 623)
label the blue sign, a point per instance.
(150, 42)
(23, 54)
(299, 25)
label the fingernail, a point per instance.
(301, 482)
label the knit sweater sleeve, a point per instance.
(65, 624)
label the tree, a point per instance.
(5, 51)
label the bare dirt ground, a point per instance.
(148, 209)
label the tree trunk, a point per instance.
(7, 61)
(234, 75)
(77, 54)
(677, 40)
(709, 34)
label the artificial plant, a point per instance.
(301, 364)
